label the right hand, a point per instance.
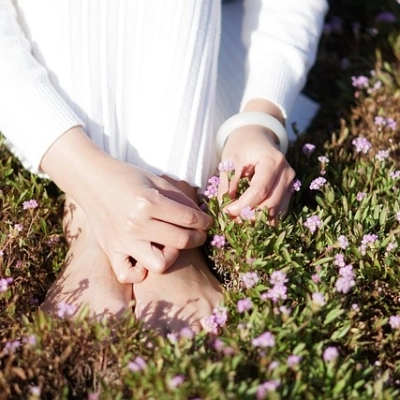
(134, 214)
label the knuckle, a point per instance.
(122, 277)
(189, 217)
(182, 240)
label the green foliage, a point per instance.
(76, 359)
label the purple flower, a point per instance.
(293, 360)
(218, 241)
(344, 284)
(212, 188)
(137, 365)
(316, 278)
(330, 354)
(308, 149)
(394, 321)
(318, 299)
(362, 145)
(30, 204)
(366, 241)
(323, 159)
(390, 247)
(295, 186)
(360, 196)
(343, 242)
(250, 279)
(176, 381)
(217, 319)
(264, 388)
(277, 292)
(244, 305)
(318, 183)
(65, 310)
(395, 174)
(386, 17)
(30, 340)
(339, 260)
(226, 166)
(273, 365)
(377, 85)
(266, 339)
(186, 332)
(313, 223)
(11, 347)
(359, 82)
(5, 284)
(382, 155)
(278, 278)
(247, 213)
(379, 121)
(391, 123)
(172, 337)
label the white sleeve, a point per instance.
(32, 114)
(282, 37)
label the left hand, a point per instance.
(257, 157)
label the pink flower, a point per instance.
(316, 278)
(277, 292)
(264, 388)
(296, 186)
(339, 260)
(346, 279)
(266, 339)
(360, 196)
(226, 166)
(343, 242)
(30, 204)
(318, 299)
(313, 223)
(138, 364)
(359, 82)
(293, 360)
(5, 284)
(212, 188)
(362, 145)
(278, 278)
(330, 354)
(308, 149)
(395, 174)
(218, 241)
(217, 319)
(317, 183)
(65, 310)
(247, 213)
(250, 279)
(176, 381)
(382, 155)
(244, 305)
(394, 321)
(186, 332)
(11, 347)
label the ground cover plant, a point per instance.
(312, 305)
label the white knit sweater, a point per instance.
(143, 77)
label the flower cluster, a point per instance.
(266, 339)
(218, 241)
(137, 365)
(394, 321)
(11, 347)
(295, 186)
(226, 166)
(395, 174)
(362, 145)
(308, 149)
(176, 381)
(382, 155)
(217, 319)
(360, 82)
(366, 241)
(65, 310)
(244, 305)
(317, 183)
(5, 284)
(385, 122)
(30, 204)
(247, 213)
(318, 299)
(343, 242)
(250, 279)
(264, 388)
(346, 279)
(331, 353)
(279, 289)
(184, 333)
(220, 346)
(212, 188)
(313, 223)
(360, 196)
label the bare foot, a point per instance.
(87, 278)
(181, 297)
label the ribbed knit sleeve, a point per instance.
(32, 114)
(282, 38)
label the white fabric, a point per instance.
(142, 76)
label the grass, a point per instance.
(50, 358)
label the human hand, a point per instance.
(135, 215)
(257, 157)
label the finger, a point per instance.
(125, 271)
(154, 258)
(174, 212)
(260, 187)
(172, 236)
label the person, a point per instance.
(119, 104)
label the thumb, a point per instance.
(125, 271)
